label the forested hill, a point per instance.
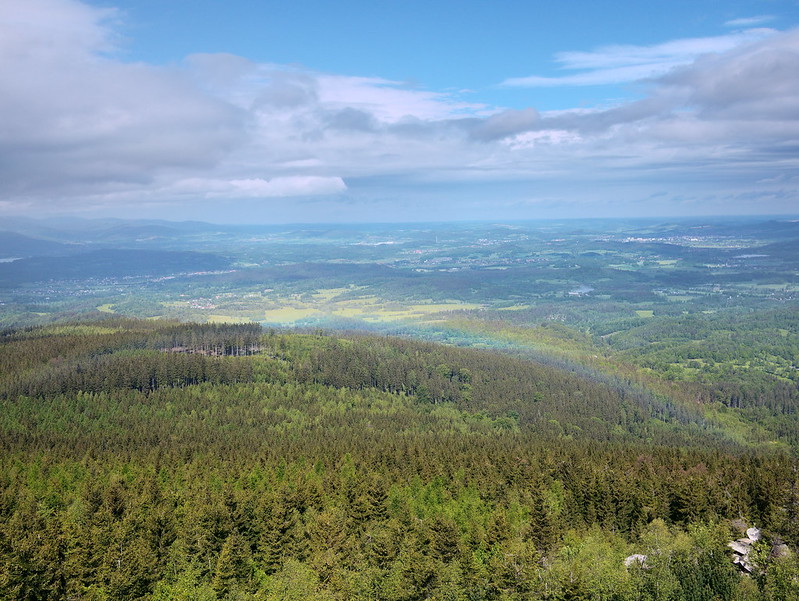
(149, 460)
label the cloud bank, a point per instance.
(715, 128)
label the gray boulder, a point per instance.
(634, 559)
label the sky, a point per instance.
(248, 111)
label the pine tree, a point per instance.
(444, 538)
(234, 567)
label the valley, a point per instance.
(400, 412)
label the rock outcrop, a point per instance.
(742, 548)
(636, 559)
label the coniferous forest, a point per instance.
(157, 461)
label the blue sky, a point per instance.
(444, 45)
(394, 111)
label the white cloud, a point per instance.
(54, 30)
(749, 21)
(546, 137)
(388, 100)
(595, 77)
(257, 187)
(72, 119)
(754, 82)
(286, 186)
(620, 64)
